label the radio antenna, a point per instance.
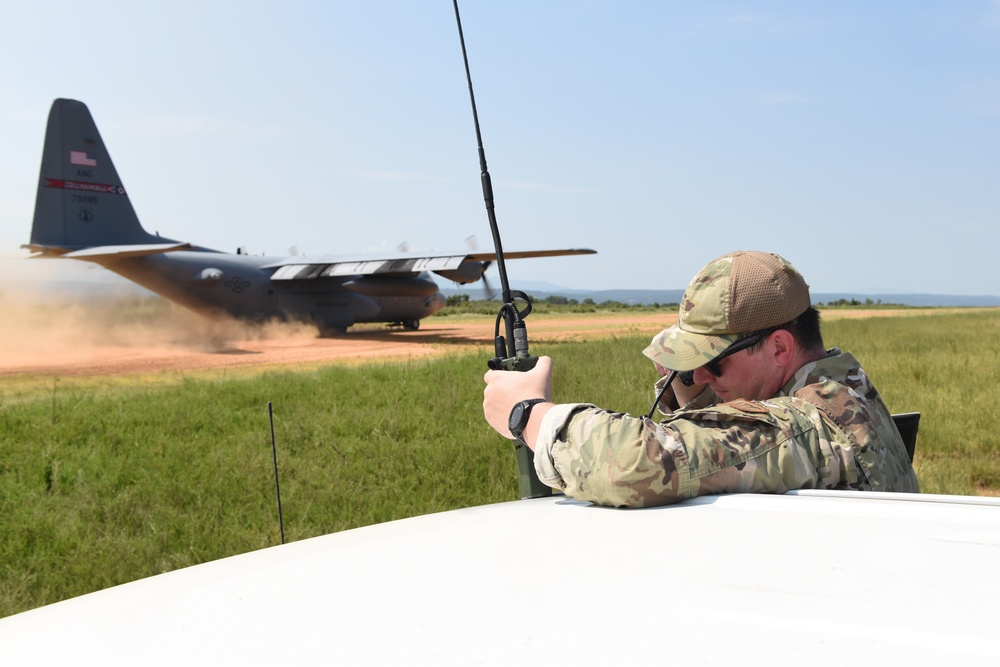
(512, 352)
(274, 455)
(487, 182)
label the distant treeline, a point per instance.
(463, 304)
(553, 303)
(648, 297)
(868, 303)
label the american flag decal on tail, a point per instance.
(82, 158)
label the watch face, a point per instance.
(515, 417)
(518, 418)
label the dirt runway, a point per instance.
(78, 347)
(77, 341)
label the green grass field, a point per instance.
(103, 481)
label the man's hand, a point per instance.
(682, 393)
(685, 394)
(505, 388)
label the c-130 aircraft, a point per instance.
(83, 212)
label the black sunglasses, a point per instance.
(687, 377)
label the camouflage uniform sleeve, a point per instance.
(548, 431)
(743, 446)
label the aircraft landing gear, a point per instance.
(412, 325)
(332, 332)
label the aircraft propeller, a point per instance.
(488, 290)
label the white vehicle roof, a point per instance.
(810, 577)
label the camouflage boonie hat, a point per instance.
(741, 292)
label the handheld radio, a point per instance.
(511, 351)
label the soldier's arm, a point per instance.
(623, 461)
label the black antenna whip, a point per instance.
(512, 353)
(277, 487)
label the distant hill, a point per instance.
(649, 297)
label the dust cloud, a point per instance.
(39, 332)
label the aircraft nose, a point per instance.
(435, 302)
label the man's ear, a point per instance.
(783, 347)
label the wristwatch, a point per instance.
(519, 415)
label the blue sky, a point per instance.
(859, 140)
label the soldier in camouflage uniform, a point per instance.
(759, 405)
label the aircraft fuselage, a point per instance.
(240, 286)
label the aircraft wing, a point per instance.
(528, 254)
(299, 268)
(302, 268)
(108, 251)
(112, 251)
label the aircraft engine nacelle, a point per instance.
(388, 285)
(467, 272)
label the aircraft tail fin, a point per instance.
(81, 202)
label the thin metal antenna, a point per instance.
(277, 487)
(487, 182)
(511, 352)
